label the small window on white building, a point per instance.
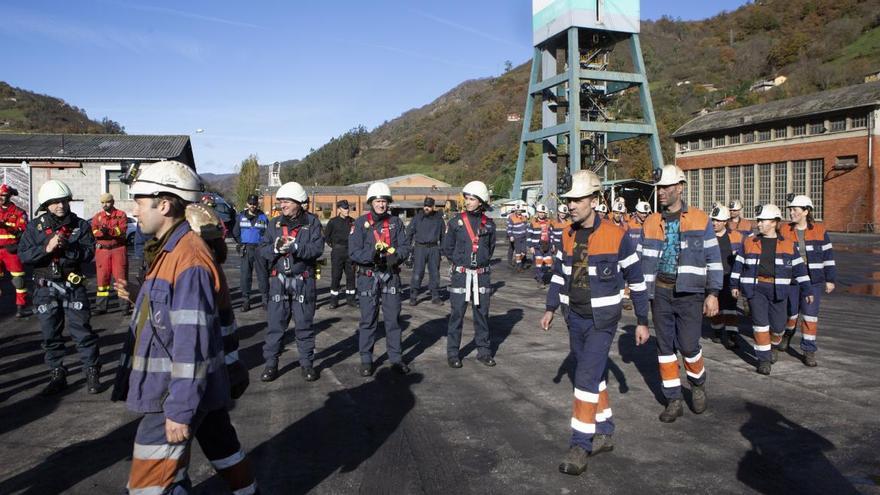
(838, 125)
(858, 122)
(114, 186)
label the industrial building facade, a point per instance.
(824, 145)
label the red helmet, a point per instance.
(8, 190)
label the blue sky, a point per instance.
(274, 78)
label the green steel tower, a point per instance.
(573, 40)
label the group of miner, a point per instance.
(180, 369)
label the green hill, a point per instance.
(25, 111)
(464, 134)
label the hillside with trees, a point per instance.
(692, 66)
(26, 111)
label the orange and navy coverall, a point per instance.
(819, 257)
(13, 221)
(540, 238)
(110, 251)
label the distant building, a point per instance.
(825, 145)
(767, 84)
(408, 191)
(514, 117)
(91, 164)
(872, 77)
(725, 101)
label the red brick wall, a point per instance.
(853, 196)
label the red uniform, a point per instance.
(111, 258)
(13, 221)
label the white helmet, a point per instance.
(720, 213)
(53, 190)
(800, 201)
(294, 191)
(669, 175)
(562, 209)
(643, 207)
(769, 212)
(541, 208)
(602, 208)
(583, 183)
(619, 207)
(478, 189)
(378, 190)
(521, 206)
(170, 177)
(735, 205)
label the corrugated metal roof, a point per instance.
(90, 147)
(860, 95)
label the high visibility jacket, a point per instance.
(179, 364)
(820, 255)
(557, 227)
(699, 264)
(745, 226)
(249, 229)
(13, 221)
(109, 228)
(789, 268)
(517, 225)
(634, 229)
(611, 260)
(540, 231)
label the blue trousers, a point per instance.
(768, 319)
(592, 409)
(284, 304)
(678, 321)
(372, 295)
(52, 309)
(425, 256)
(797, 306)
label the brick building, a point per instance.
(825, 145)
(91, 164)
(409, 192)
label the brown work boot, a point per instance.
(786, 338)
(764, 367)
(575, 462)
(716, 336)
(810, 359)
(601, 443)
(729, 340)
(674, 409)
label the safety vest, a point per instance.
(789, 268)
(820, 255)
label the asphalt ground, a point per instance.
(479, 429)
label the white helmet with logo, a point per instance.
(521, 206)
(583, 183)
(619, 207)
(477, 189)
(800, 201)
(378, 190)
(170, 177)
(562, 209)
(769, 212)
(735, 205)
(643, 207)
(720, 213)
(293, 191)
(53, 190)
(541, 208)
(669, 175)
(602, 208)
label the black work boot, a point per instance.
(716, 336)
(774, 355)
(366, 369)
(270, 372)
(309, 374)
(334, 301)
(810, 359)
(575, 462)
(698, 398)
(764, 367)
(100, 306)
(57, 383)
(246, 304)
(487, 360)
(730, 340)
(454, 362)
(350, 300)
(23, 312)
(93, 379)
(601, 443)
(674, 409)
(786, 338)
(400, 368)
(436, 300)
(413, 301)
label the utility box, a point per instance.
(551, 17)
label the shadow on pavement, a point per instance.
(500, 327)
(644, 357)
(346, 431)
(786, 457)
(62, 470)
